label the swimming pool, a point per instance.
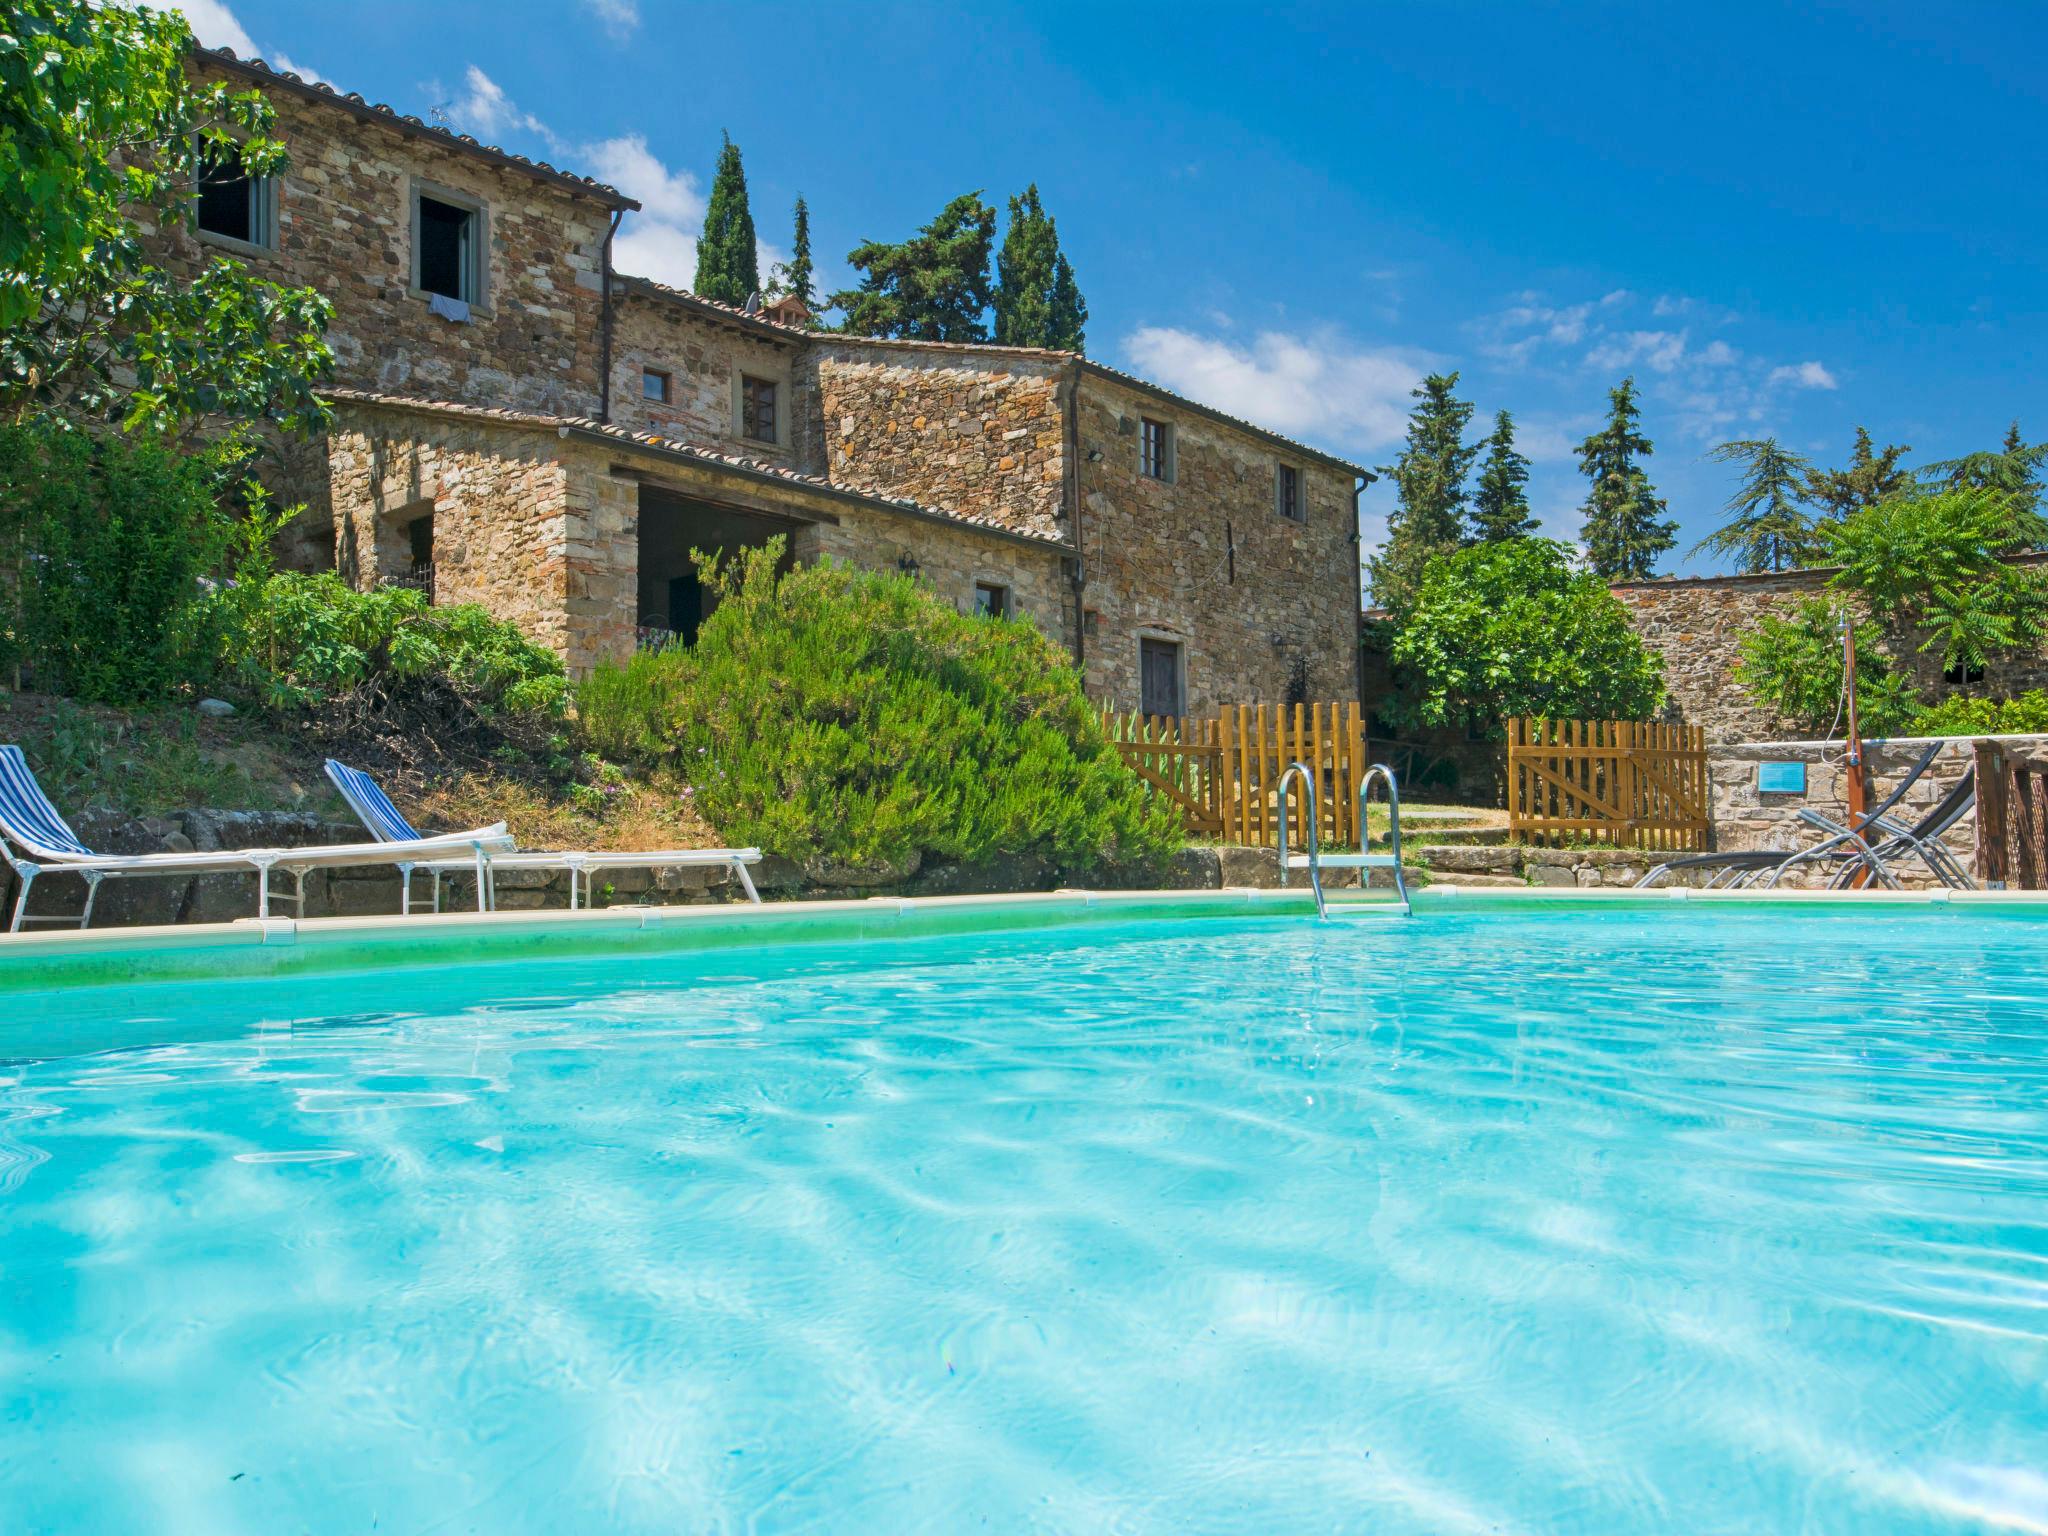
(1524, 1217)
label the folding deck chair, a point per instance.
(367, 799)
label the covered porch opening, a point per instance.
(672, 602)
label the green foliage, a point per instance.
(1936, 565)
(931, 287)
(1625, 529)
(1795, 666)
(851, 718)
(108, 539)
(100, 125)
(299, 640)
(1870, 478)
(1429, 482)
(728, 261)
(2013, 470)
(1768, 529)
(1509, 628)
(2026, 715)
(796, 276)
(1500, 504)
(1037, 301)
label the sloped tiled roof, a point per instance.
(761, 323)
(412, 127)
(588, 427)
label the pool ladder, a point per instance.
(1315, 861)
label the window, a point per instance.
(234, 205)
(654, 385)
(1159, 677)
(757, 409)
(1155, 449)
(448, 247)
(1964, 673)
(991, 600)
(1287, 493)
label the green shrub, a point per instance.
(851, 718)
(298, 639)
(1794, 666)
(2026, 715)
(1508, 628)
(107, 540)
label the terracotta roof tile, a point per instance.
(590, 427)
(349, 101)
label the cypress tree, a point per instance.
(1037, 301)
(1429, 483)
(931, 287)
(1625, 528)
(1768, 529)
(728, 263)
(1500, 504)
(795, 276)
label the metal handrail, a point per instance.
(1382, 771)
(1280, 793)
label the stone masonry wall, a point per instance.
(1696, 626)
(1745, 817)
(344, 227)
(1265, 607)
(500, 502)
(703, 358)
(950, 562)
(959, 432)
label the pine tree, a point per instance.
(1037, 301)
(1429, 486)
(795, 277)
(728, 263)
(1870, 478)
(1625, 528)
(1500, 505)
(1768, 529)
(931, 287)
(2014, 469)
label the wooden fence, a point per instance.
(1221, 770)
(2012, 817)
(1632, 783)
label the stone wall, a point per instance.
(1696, 625)
(1266, 608)
(499, 499)
(1746, 817)
(344, 227)
(951, 561)
(968, 432)
(703, 357)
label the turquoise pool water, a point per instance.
(1501, 1219)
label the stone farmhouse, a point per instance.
(519, 425)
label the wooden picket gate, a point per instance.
(1221, 770)
(1632, 783)
(2012, 817)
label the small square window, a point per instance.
(448, 249)
(1287, 493)
(233, 204)
(757, 409)
(654, 385)
(1155, 449)
(991, 600)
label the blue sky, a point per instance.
(1783, 220)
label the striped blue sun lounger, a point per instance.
(48, 846)
(366, 797)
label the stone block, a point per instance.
(1551, 875)
(1255, 867)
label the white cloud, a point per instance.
(1804, 375)
(1313, 387)
(486, 111)
(621, 18)
(215, 26)
(1660, 350)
